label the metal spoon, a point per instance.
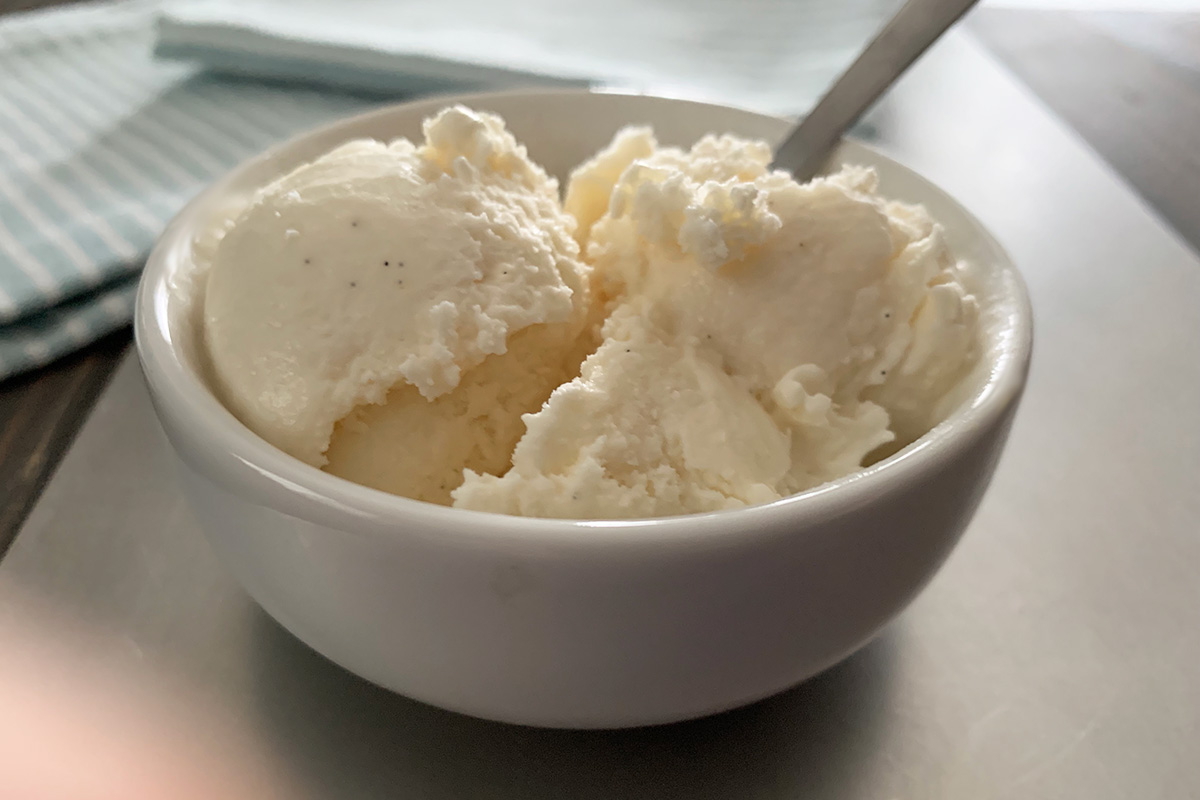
(908, 34)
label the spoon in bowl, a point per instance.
(907, 35)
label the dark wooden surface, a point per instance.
(39, 415)
(1130, 84)
(8, 6)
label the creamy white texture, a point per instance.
(765, 337)
(384, 264)
(651, 427)
(414, 318)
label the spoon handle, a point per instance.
(906, 36)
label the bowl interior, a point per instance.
(560, 130)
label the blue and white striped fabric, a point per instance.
(100, 144)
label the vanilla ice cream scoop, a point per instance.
(765, 337)
(391, 271)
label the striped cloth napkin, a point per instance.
(100, 145)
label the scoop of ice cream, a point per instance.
(650, 427)
(367, 286)
(766, 337)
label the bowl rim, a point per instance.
(223, 448)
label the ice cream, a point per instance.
(687, 331)
(396, 276)
(765, 337)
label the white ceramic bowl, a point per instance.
(565, 623)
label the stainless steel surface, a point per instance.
(907, 35)
(1054, 657)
